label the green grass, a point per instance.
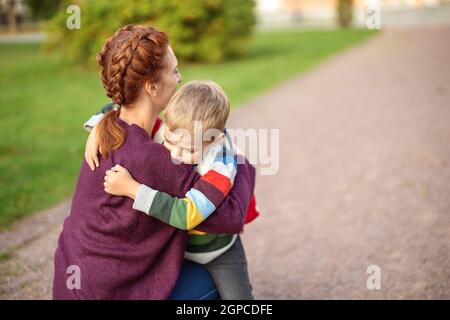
(44, 101)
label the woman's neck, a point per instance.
(142, 114)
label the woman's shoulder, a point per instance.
(146, 152)
(138, 141)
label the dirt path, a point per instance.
(364, 180)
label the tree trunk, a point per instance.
(345, 13)
(11, 16)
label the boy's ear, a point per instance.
(217, 137)
(151, 88)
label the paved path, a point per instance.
(22, 37)
(364, 180)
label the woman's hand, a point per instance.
(119, 182)
(91, 151)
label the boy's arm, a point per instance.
(200, 201)
(96, 118)
(229, 217)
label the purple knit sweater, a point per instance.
(124, 254)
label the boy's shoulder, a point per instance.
(157, 127)
(158, 132)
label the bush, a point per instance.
(199, 30)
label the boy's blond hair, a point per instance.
(198, 100)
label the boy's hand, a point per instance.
(119, 182)
(91, 151)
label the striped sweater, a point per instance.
(218, 169)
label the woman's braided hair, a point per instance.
(131, 57)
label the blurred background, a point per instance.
(306, 67)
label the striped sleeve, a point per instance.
(200, 201)
(96, 118)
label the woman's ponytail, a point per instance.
(110, 135)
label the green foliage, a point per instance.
(199, 30)
(43, 9)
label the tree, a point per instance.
(11, 15)
(345, 13)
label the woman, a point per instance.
(120, 254)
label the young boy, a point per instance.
(198, 103)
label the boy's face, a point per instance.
(186, 147)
